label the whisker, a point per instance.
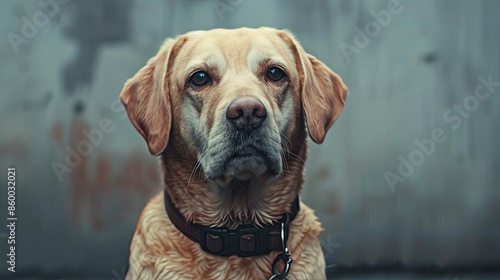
(286, 138)
(194, 140)
(284, 151)
(193, 172)
(191, 177)
(297, 157)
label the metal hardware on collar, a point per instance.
(243, 241)
(284, 256)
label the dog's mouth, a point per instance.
(244, 164)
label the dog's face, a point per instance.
(238, 102)
(235, 99)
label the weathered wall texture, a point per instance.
(413, 77)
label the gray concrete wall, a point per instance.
(406, 79)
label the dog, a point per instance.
(228, 112)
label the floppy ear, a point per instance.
(323, 93)
(147, 100)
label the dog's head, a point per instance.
(233, 99)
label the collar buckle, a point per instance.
(243, 242)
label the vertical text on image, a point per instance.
(11, 218)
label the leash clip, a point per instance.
(284, 256)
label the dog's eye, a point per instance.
(275, 74)
(199, 78)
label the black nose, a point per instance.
(246, 113)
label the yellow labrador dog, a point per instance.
(227, 111)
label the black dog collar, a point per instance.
(243, 241)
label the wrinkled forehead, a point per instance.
(237, 50)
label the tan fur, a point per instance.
(172, 126)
